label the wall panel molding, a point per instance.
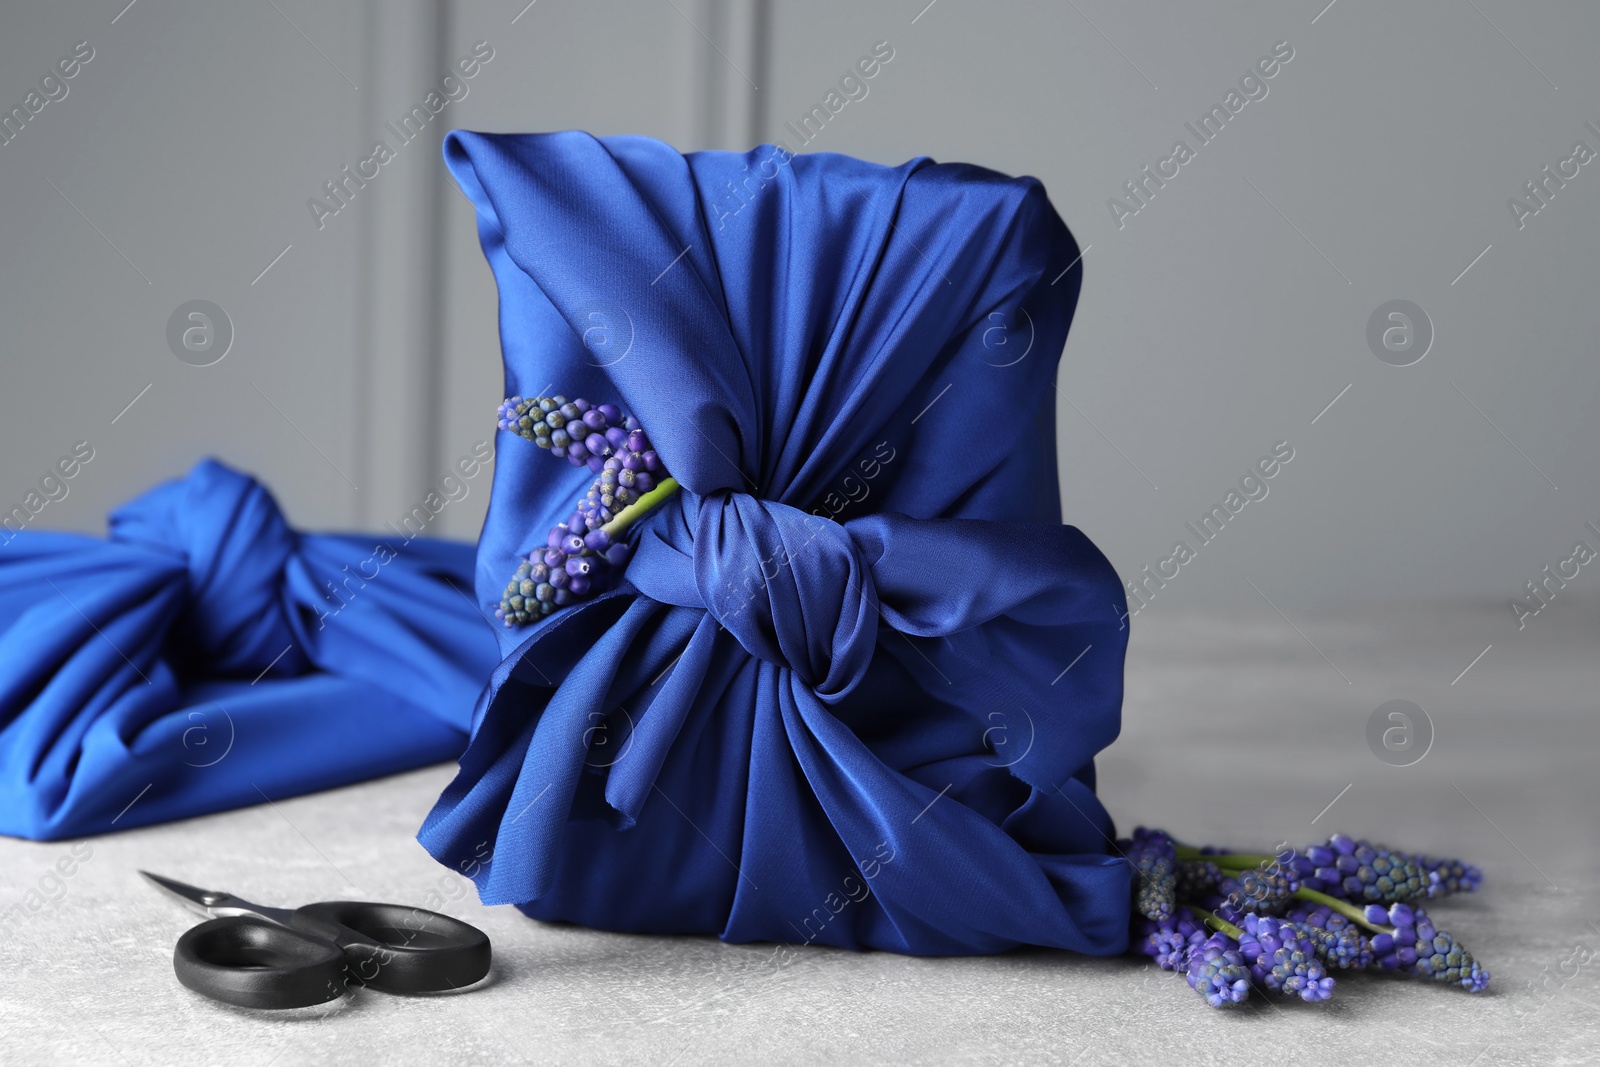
(398, 320)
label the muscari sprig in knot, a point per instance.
(1288, 920)
(586, 554)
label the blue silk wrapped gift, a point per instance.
(207, 656)
(852, 685)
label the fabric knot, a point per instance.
(235, 544)
(791, 587)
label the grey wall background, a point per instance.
(1222, 318)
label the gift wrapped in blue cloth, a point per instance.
(852, 684)
(208, 656)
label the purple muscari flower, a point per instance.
(1227, 902)
(1365, 873)
(1267, 889)
(1446, 876)
(593, 513)
(1218, 973)
(1296, 971)
(1343, 947)
(1442, 958)
(1305, 871)
(1153, 855)
(1427, 950)
(529, 595)
(1282, 958)
(1161, 943)
(1320, 917)
(555, 577)
(605, 497)
(625, 469)
(1197, 879)
(580, 559)
(1398, 915)
(1413, 945)
(1258, 941)
(1226, 907)
(582, 433)
(1442, 875)
(1170, 941)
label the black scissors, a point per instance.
(260, 957)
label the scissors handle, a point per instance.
(328, 948)
(253, 963)
(400, 949)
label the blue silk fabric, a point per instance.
(208, 656)
(852, 687)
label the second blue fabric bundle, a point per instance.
(207, 656)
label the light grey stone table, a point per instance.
(1239, 728)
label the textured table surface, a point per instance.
(1238, 728)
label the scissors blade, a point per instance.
(193, 897)
(211, 902)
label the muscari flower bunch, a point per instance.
(1282, 924)
(586, 554)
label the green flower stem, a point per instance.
(1217, 922)
(1230, 860)
(1343, 907)
(639, 508)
